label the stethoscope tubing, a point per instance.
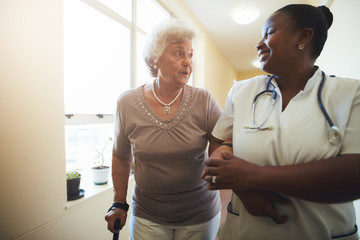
(328, 119)
(334, 134)
(267, 90)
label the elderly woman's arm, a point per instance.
(331, 180)
(215, 147)
(120, 174)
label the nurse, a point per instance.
(288, 180)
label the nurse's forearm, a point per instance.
(120, 175)
(331, 180)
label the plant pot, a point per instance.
(73, 188)
(101, 175)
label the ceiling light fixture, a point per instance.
(245, 15)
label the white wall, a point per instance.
(341, 52)
(32, 122)
(32, 171)
(84, 220)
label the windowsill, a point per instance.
(91, 191)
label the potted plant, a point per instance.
(100, 171)
(73, 185)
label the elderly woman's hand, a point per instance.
(217, 154)
(230, 173)
(111, 217)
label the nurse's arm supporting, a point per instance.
(331, 180)
(257, 203)
(120, 174)
(261, 204)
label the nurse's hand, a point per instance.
(230, 172)
(261, 204)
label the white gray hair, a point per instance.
(174, 31)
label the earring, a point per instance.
(301, 46)
(155, 66)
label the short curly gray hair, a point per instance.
(174, 31)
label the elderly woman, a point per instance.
(165, 127)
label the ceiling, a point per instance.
(237, 42)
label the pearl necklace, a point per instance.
(166, 106)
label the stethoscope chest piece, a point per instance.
(334, 135)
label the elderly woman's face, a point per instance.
(175, 64)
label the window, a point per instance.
(102, 58)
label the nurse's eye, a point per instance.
(269, 33)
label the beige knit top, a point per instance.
(169, 156)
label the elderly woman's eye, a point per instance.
(178, 53)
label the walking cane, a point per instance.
(116, 227)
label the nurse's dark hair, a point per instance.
(307, 16)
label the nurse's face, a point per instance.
(175, 64)
(278, 46)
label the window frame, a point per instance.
(134, 30)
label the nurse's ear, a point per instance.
(305, 37)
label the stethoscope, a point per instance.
(334, 134)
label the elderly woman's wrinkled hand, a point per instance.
(111, 217)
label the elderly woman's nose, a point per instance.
(187, 60)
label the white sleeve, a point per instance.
(351, 142)
(224, 127)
